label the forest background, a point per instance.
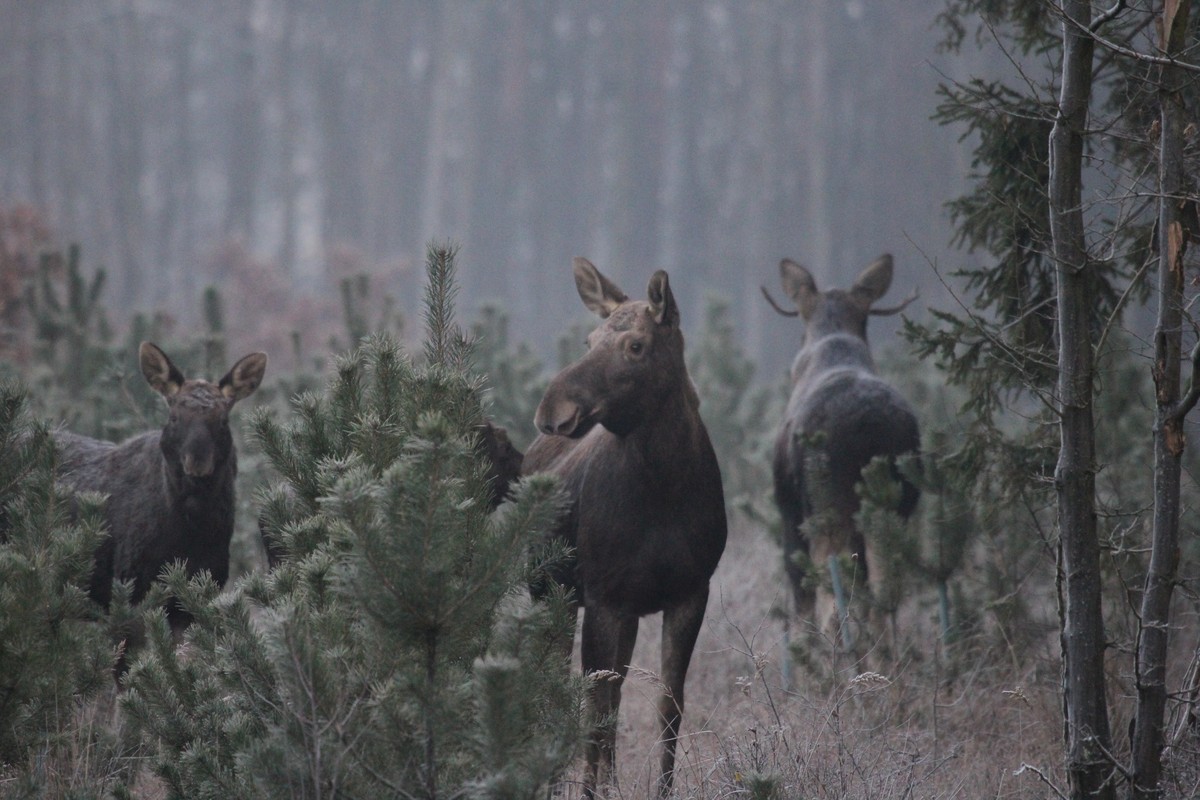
(281, 146)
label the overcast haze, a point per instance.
(305, 140)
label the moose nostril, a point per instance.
(567, 426)
(195, 467)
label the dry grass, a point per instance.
(987, 726)
(843, 734)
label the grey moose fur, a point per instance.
(621, 428)
(841, 415)
(170, 491)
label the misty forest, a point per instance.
(404, 399)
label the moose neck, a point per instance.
(832, 351)
(673, 432)
(199, 499)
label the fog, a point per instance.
(276, 146)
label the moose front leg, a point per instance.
(606, 647)
(681, 626)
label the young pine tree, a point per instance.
(53, 654)
(516, 377)
(393, 652)
(738, 413)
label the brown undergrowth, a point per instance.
(976, 722)
(923, 728)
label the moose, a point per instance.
(503, 459)
(842, 415)
(170, 492)
(621, 429)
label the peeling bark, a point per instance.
(1154, 633)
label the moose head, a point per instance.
(196, 441)
(633, 360)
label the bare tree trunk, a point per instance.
(1154, 631)
(819, 142)
(176, 223)
(244, 154)
(451, 145)
(127, 118)
(1085, 708)
(289, 181)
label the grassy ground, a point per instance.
(993, 731)
(980, 724)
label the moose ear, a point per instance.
(163, 376)
(244, 377)
(874, 281)
(798, 284)
(662, 302)
(597, 292)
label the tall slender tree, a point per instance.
(1089, 741)
(1056, 294)
(1174, 200)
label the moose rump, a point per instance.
(841, 415)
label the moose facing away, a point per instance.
(841, 415)
(621, 428)
(170, 492)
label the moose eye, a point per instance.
(635, 347)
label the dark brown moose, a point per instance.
(503, 458)
(841, 410)
(170, 492)
(621, 428)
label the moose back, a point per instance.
(840, 416)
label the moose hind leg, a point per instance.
(681, 626)
(606, 647)
(795, 549)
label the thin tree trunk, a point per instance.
(245, 133)
(818, 142)
(1154, 632)
(289, 182)
(1085, 708)
(127, 118)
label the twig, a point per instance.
(1043, 778)
(1190, 399)
(1162, 61)
(1186, 719)
(1107, 16)
(1108, 324)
